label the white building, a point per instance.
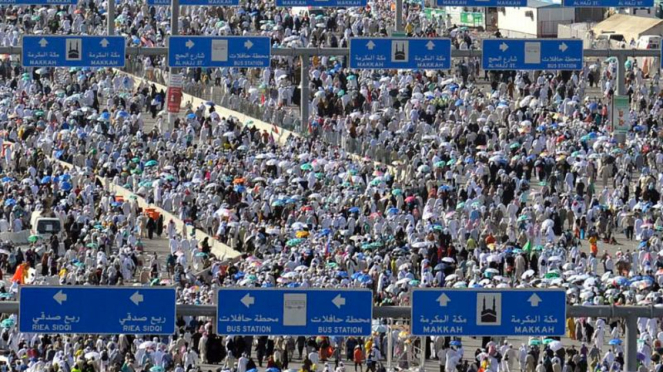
(538, 19)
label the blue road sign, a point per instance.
(400, 53)
(226, 51)
(481, 3)
(97, 310)
(609, 3)
(310, 312)
(532, 54)
(194, 2)
(488, 312)
(322, 3)
(73, 51)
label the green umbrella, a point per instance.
(451, 162)
(534, 342)
(34, 238)
(543, 183)
(523, 218)
(294, 242)
(7, 323)
(460, 205)
(91, 245)
(306, 167)
(332, 265)
(201, 254)
(414, 282)
(145, 184)
(151, 163)
(319, 175)
(546, 341)
(552, 275)
(439, 164)
(136, 160)
(514, 146)
(396, 192)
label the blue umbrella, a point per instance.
(353, 210)
(45, 179)
(122, 114)
(267, 285)
(356, 275)
(393, 210)
(10, 202)
(7, 179)
(291, 285)
(342, 274)
(239, 275)
(615, 341)
(66, 186)
(458, 102)
(364, 278)
(240, 188)
(325, 232)
(66, 177)
(105, 115)
(272, 369)
(191, 116)
(455, 343)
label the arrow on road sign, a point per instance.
(43, 42)
(534, 300)
(104, 42)
(563, 47)
(443, 300)
(430, 45)
(136, 298)
(370, 45)
(248, 300)
(60, 297)
(338, 301)
(189, 44)
(503, 47)
(248, 44)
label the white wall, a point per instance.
(550, 18)
(514, 23)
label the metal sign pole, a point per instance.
(631, 343)
(174, 30)
(399, 15)
(110, 15)
(390, 344)
(305, 94)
